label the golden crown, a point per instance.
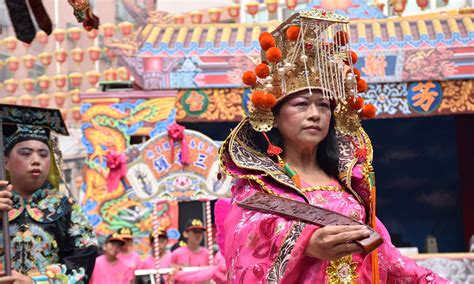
(310, 50)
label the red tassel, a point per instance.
(176, 133)
(272, 150)
(184, 151)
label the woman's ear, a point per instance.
(6, 163)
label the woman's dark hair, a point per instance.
(328, 151)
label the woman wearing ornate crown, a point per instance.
(303, 141)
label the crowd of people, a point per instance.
(321, 156)
(51, 240)
(120, 261)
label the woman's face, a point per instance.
(304, 120)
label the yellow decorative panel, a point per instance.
(405, 28)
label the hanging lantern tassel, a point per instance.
(274, 150)
(209, 231)
(295, 177)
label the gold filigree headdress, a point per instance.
(309, 51)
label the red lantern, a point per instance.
(92, 34)
(291, 4)
(43, 100)
(12, 63)
(29, 61)
(44, 82)
(60, 81)
(179, 19)
(74, 95)
(42, 37)
(126, 28)
(252, 8)
(272, 6)
(59, 35)
(45, 58)
(332, 5)
(60, 55)
(234, 11)
(76, 79)
(123, 74)
(108, 30)
(196, 17)
(28, 84)
(110, 74)
(74, 33)
(77, 55)
(59, 98)
(26, 100)
(9, 100)
(110, 54)
(76, 113)
(215, 15)
(94, 53)
(399, 6)
(11, 43)
(93, 77)
(422, 4)
(11, 85)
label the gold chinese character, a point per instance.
(426, 97)
(375, 65)
(195, 102)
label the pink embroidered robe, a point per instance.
(265, 248)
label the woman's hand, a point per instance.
(5, 196)
(16, 278)
(334, 242)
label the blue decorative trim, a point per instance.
(254, 48)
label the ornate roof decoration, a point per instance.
(156, 38)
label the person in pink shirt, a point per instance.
(127, 254)
(193, 254)
(165, 255)
(108, 267)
